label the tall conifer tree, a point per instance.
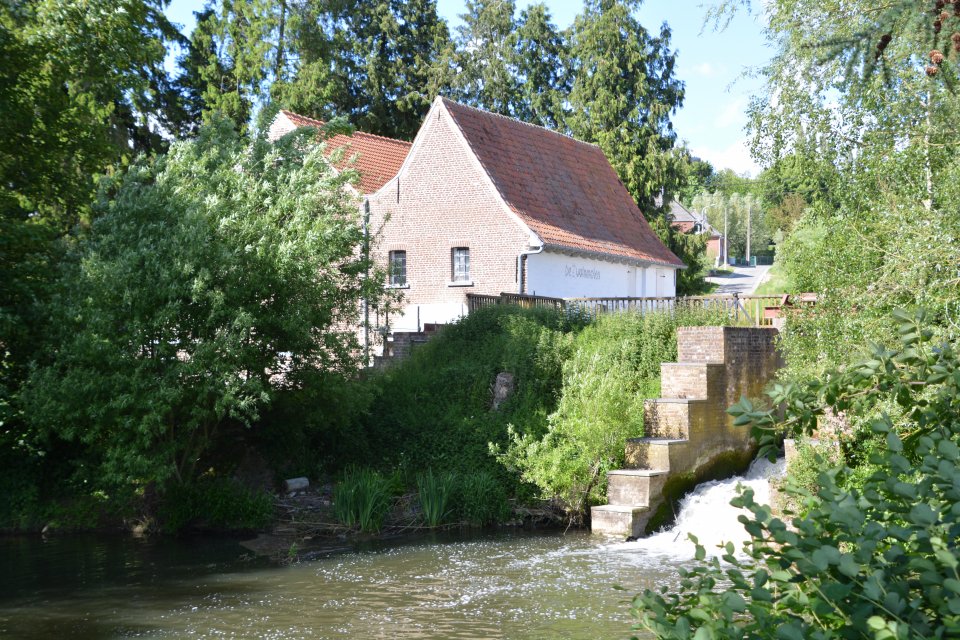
(237, 38)
(373, 62)
(541, 55)
(624, 92)
(483, 72)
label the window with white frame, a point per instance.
(398, 268)
(460, 263)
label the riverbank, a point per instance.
(306, 525)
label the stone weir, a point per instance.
(690, 437)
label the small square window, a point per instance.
(461, 264)
(398, 268)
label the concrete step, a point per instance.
(657, 453)
(634, 487)
(627, 520)
(671, 417)
(698, 380)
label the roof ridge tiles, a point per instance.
(356, 132)
(448, 101)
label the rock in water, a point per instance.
(296, 484)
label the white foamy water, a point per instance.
(706, 513)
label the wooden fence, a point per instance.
(760, 310)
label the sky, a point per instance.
(714, 67)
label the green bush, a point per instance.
(216, 503)
(480, 499)
(579, 391)
(435, 492)
(205, 272)
(873, 561)
(433, 410)
(312, 430)
(20, 508)
(362, 498)
(614, 367)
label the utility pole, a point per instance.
(726, 259)
(749, 209)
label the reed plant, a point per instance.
(436, 492)
(362, 498)
(481, 499)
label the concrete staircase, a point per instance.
(400, 344)
(689, 436)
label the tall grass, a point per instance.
(433, 410)
(362, 498)
(435, 492)
(579, 394)
(481, 500)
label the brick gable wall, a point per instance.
(443, 199)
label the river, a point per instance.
(490, 585)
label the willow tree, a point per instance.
(867, 90)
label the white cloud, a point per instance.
(735, 157)
(733, 114)
(709, 70)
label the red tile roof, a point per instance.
(563, 189)
(377, 159)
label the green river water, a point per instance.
(462, 585)
(509, 585)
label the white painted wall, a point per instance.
(562, 276)
(414, 316)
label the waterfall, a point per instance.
(706, 512)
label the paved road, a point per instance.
(743, 280)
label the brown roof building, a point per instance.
(688, 221)
(482, 203)
(376, 159)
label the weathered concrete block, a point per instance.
(653, 453)
(620, 521)
(633, 487)
(666, 418)
(503, 388)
